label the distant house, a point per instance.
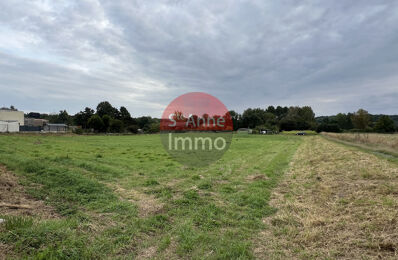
(244, 131)
(55, 128)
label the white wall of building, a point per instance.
(9, 127)
(11, 115)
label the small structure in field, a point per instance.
(244, 131)
(55, 128)
(266, 132)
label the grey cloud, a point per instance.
(247, 53)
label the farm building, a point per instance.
(9, 127)
(244, 131)
(55, 128)
(35, 122)
(12, 115)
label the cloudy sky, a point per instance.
(335, 56)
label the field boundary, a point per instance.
(381, 153)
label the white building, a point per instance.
(10, 120)
(12, 115)
(9, 127)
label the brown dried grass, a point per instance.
(14, 201)
(335, 203)
(388, 142)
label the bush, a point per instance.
(95, 122)
(116, 126)
(385, 125)
(333, 128)
(78, 131)
(132, 129)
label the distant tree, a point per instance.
(256, 117)
(385, 125)
(95, 122)
(153, 128)
(298, 119)
(132, 129)
(126, 117)
(344, 121)
(360, 119)
(106, 119)
(271, 109)
(236, 119)
(105, 108)
(61, 118)
(12, 107)
(82, 117)
(328, 127)
(116, 126)
(281, 112)
(144, 122)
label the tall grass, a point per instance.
(388, 142)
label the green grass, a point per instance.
(212, 212)
(294, 132)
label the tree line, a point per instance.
(360, 121)
(107, 118)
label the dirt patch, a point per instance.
(147, 204)
(15, 202)
(334, 203)
(256, 177)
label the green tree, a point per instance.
(62, 118)
(298, 118)
(271, 109)
(116, 126)
(236, 119)
(105, 108)
(126, 117)
(281, 112)
(344, 121)
(154, 128)
(385, 125)
(360, 119)
(256, 117)
(106, 119)
(95, 122)
(82, 117)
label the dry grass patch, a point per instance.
(15, 202)
(334, 203)
(383, 142)
(147, 204)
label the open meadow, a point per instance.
(124, 197)
(385, 143)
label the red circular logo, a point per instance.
(196, 129)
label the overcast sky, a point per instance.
(335, 56)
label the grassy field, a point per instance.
(387, 143)
(123, 197)
(335, 202)
(307, 132)
(269, 197)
